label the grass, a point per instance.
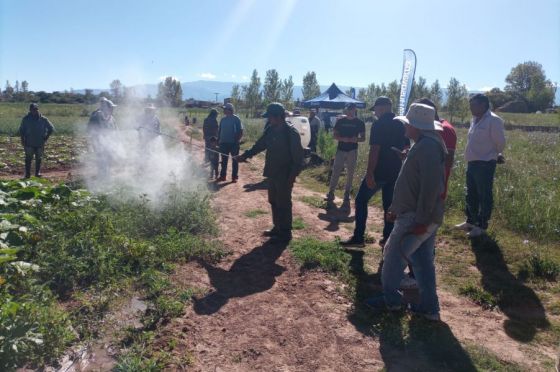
(254, 213)
(298, 223)
(315, 254)
(478, 296)
(314, 201)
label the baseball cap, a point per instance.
(228, 106)
(33, 106)
(381, 101)
(274, 109)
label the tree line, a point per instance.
(526, 83)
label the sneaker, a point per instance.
(271, 232)
(465, 226)
(234, 179)
(377, 304)
(353, 242)
(476, 232)
(408, 283)
(221, 179)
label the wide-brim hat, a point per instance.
(422, 117)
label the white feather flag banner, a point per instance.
(409, 68)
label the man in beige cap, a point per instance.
(417, 208)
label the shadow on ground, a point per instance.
(263, 185)
(407, 343)
(517, 301)
(335, 217)
(251, 273)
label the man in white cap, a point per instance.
(101, 124)
(417, 208)
(229, 136)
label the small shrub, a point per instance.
(540, 267)
(479, 296)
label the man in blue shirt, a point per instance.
(229, 136)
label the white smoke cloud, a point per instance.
(139, 162)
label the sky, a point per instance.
(63, 44)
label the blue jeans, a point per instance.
(404, 248)
(479, 199)
(361, 206)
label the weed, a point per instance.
(540, 267)
(313, 253)
(254, 213)
(314, 201)
(298, 223)
(479, 296)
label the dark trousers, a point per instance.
(280, 199)
(479, 198)
(31, 152)
(361, 205)
(233, 149)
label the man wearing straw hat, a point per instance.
(417, 209)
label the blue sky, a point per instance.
(63, 44)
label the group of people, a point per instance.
(410, 161)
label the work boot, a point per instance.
(221, 179)
(234, 179)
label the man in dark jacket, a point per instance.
(210, 130)
(35, 130)
(283, 162)
(383, 168)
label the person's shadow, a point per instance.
(404, 345)
(262, 185)
(335, 216)
(517, 301)
(251, 273)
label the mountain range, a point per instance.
(206, 90)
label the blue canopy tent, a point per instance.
(332, 98)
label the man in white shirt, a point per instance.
(485, 143)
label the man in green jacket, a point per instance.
(283, 162)
(35, 130)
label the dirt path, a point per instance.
(263, 314)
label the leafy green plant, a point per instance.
(479, 296)
(538, 266)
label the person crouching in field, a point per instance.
(213, 156)
(417, 209)
(348, 131)
(34, 131)
(101, 124)
(283, 162)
